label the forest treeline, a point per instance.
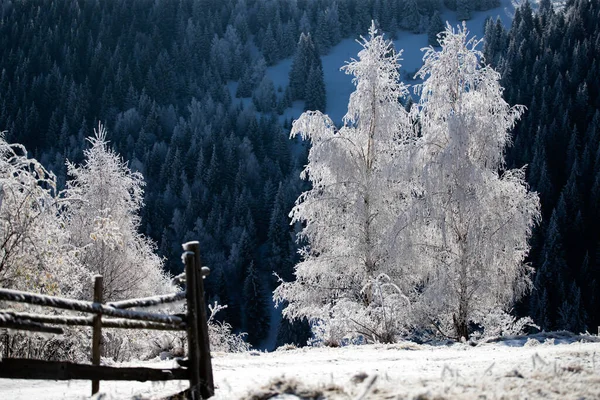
(549, 62)
(157, 73)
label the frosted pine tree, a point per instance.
(477, 215)
(104, 197)
(354, 215)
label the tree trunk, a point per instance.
(460, 321)
(460, 327)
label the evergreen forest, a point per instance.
(549, 62)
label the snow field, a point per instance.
(412, 371)
(510, 370)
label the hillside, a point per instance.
(339, 85)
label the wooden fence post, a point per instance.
(207, 387)
(97, 330)
(192, 326)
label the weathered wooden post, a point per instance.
(207, 388)
(97, 330)
(192, 326)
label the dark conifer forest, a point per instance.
(159, 75)
(549, 62)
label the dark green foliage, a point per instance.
(549, 63)
(296, 332)
(300, 66)
(411, 16)
(245, 85)
(463, 9)
(436, 25)
(315, 95)
(269, 47)
(306, 75)
(161, 90)
(264, 97)
(255, 307)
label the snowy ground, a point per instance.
(512, 369)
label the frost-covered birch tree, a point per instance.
(104, 197)
(354, 215)
(477, 216)
(35, 253)
(34, 250)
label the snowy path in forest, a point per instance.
(459, 371)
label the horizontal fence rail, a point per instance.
(84, 306)
(9, 322)
(11, 317)
(25, 368)
(148, 301)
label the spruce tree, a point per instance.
(315, 90)
(301, 65)
(411, 16)
(295, 332)
(436, 25)
(255, 306)
(463, 10)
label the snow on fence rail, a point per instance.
(198, 367)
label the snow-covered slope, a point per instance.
(339, 85)
(512, 370)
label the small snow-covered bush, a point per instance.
(497, 322)
(329, 333)
(385, 314)
(220, 335)
(379, 316)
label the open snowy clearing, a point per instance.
(406, 370)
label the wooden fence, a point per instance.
(196, 368)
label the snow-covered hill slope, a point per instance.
(339, 85)
(509, 370)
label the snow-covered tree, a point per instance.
(104, 197)
(34, 255)
(478, 216)
(354, 215)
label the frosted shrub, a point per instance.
(220, 335)
(172, 342)
(69, 346)
(385, 315)
(334, 331)
(497, 322)
(380, 317)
